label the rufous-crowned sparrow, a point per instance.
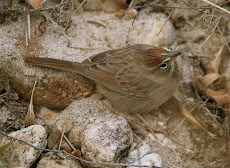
(136, 79)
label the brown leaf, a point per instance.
(209, 78)
(216, 62)
(42, 27)
(77, 153)
(220, 83)
(214, 65)
(120, 13)
(54, 138)
(67, 148)
(36, 4)
(67, 126)
(221, 96)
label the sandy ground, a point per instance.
(93, 32)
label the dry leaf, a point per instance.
(67, 148)
(120, 13)
(77, 153)
(42, 27)
(216, 62)
(36, 4)
(67, 126)
(54, 138)
(220, 83)
(121, 2)
(209, 78)
(221, 96)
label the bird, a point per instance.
(136, 79)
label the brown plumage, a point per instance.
(137, 78)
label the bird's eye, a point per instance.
(164, 65)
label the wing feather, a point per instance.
(116, 70)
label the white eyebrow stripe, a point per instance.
(166, 48)
(165, 60)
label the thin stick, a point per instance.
(168, 18)
(68, 154)
(171, 7)
(132, 4)
(28, 23)
(62, 134)
(221, 34)
(216, 6)
(27, 43)
(69, 143)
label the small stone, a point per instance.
(107, 140)
(144, 149)
(57, 160)
(131, 14)
(150, 24)
(25, 155)
(164, 140)
(152, 159)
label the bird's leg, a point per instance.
(172, 104)
(147, 124)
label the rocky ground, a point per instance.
(69, 104)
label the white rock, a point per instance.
(144, 149)
(163, 140)
(107, 140)
(25, 155)
(152, 159)
(57, 160)
(148, 25)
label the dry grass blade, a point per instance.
(216, 62)
(30, 117)
(132, 4)
(191, 118)
(221, 34)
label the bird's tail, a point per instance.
(54, 63)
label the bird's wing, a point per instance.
(116, 70)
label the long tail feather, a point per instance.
(54, 64)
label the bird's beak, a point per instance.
(174, 54)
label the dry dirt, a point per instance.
(195, 38)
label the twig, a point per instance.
(208, 36)
(171, 7)
(132, 4)
(62, 134)
(154, 139)
(78, 9)
(24, 10)
(216, 6)
(69, 143)
(221, 34)
(27, 43)
(68, 154)
(168, 18)
(224, 3)
(28, 22)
